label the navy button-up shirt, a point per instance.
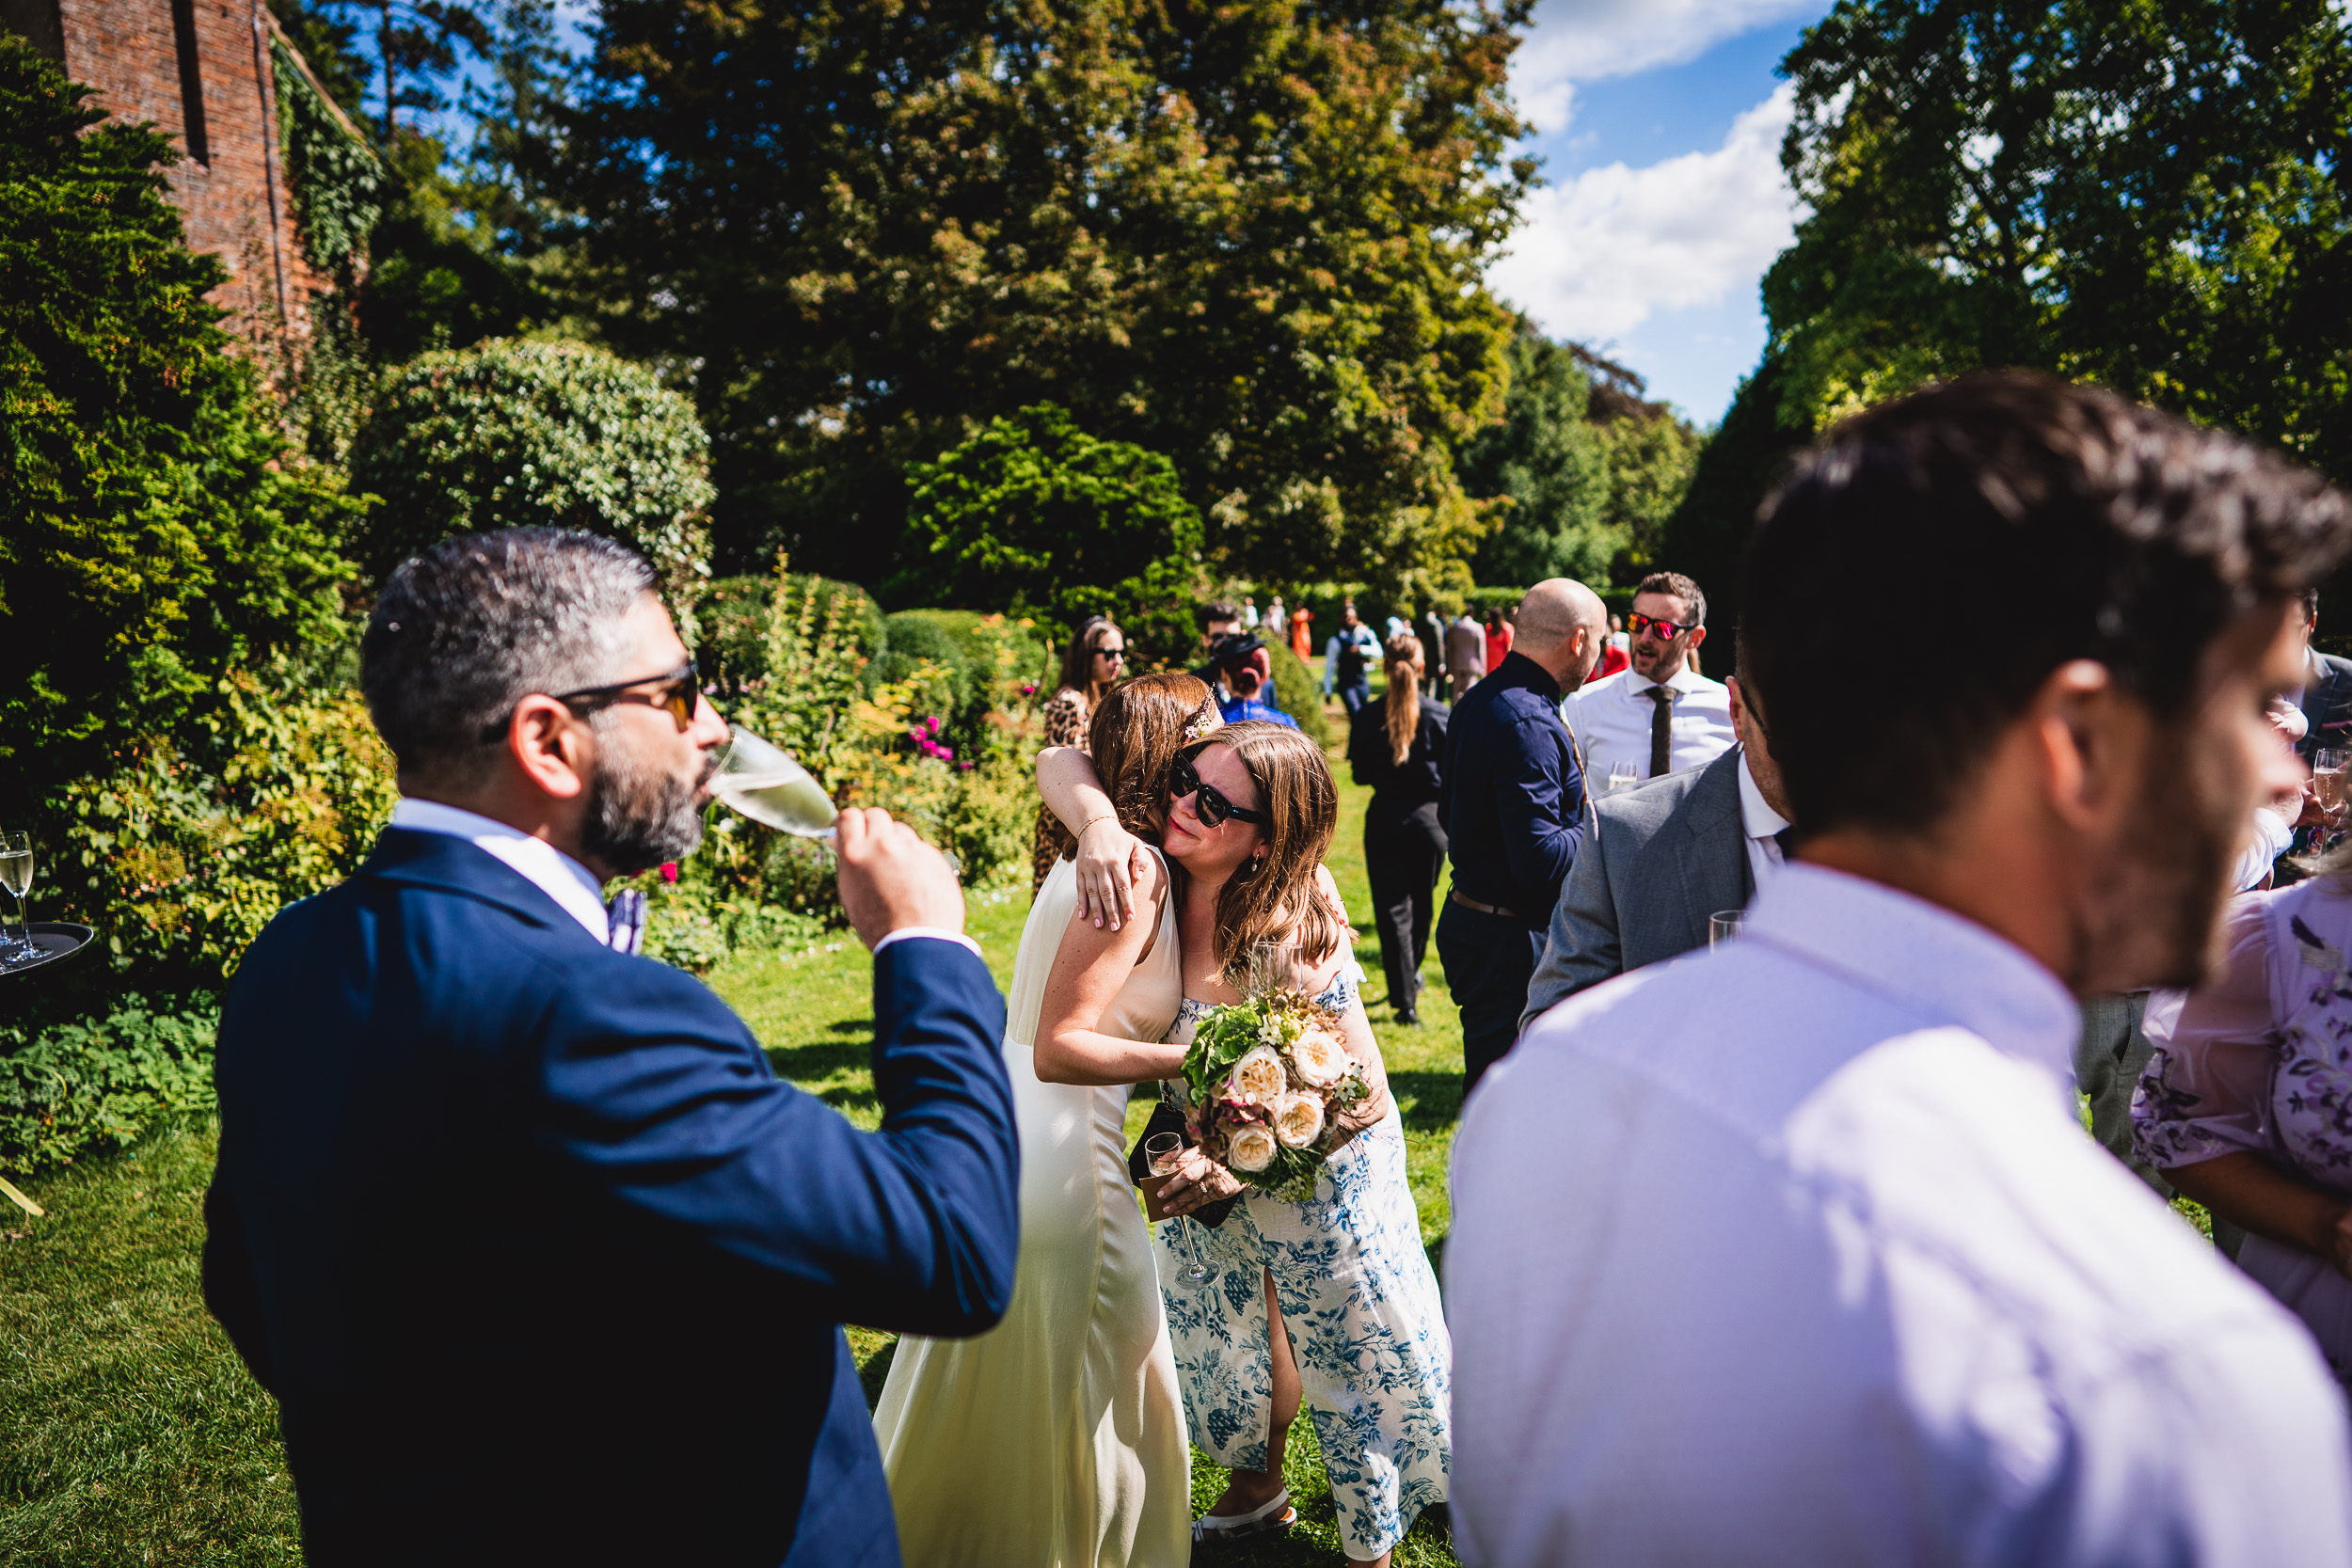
(1514, 796)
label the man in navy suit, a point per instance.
(541, 1261)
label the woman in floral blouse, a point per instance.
(2246, 1104)
(1090, 666)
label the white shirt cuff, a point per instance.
(937, 933)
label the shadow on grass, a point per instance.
(1428, 1101)
(813, 1064)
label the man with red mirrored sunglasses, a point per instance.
(1660, 716)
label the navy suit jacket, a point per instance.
(541, 1261)
(2327, 705)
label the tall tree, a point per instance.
(1251, 236)
(2149, 193)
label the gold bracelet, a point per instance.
(1106, 816)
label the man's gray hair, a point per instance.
(476, 624)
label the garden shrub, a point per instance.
(158, 532)
(736, 612)
(87, 1085)
(513, 434)
(1032, 517)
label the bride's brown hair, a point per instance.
(1134, 738)
(1279, 901)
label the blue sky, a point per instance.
(1658, 122)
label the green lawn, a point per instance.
(130, 1434)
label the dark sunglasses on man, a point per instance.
(1649, 626)
(678, 691)
(1212, 808)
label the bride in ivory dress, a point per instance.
(1057, 1439)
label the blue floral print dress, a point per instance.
(1366, 1326)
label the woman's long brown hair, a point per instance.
(1135, 738)
(1280, 901)
(1403, 698)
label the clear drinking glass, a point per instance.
(1273, 966)
(1621, 776)
(2327, 765)
(1163, 1152)
(1723, 925)
(767, 785)
(16, 875)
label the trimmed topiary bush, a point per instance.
(1298, 692)
(514, 435)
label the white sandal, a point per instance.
(1277, 1514)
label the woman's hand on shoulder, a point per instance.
(1114, 868)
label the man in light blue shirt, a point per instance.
(1794, 1252)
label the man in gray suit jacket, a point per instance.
(1659, 858)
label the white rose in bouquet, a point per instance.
(1258, 1077)
(1250, 1147)
(1297, 1118)
(1320, 1058)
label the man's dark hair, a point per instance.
(475, 624)
(1223, 609)
(2024, 522)
(2310, 599)
(1681, 588)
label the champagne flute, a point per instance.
(2327, 773)
(1163, 1153)
(768, 786)
(1723, 925)
(16, 875)
(1621, 776)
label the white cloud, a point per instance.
(1584, 40)
(1598, 255)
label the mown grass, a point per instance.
(130, 1434)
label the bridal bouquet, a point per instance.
(1267, 1077)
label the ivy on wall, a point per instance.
(339, 187)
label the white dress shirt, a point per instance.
(1761, 825)
(1794, 1252)
(1611, 720)
(572, 885)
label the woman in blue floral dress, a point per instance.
(1342, 1274)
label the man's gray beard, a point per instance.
(638, 817)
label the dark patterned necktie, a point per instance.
(1662, 732)
(625, 917)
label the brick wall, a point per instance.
(201, 70)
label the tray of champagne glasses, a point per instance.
(49, 943)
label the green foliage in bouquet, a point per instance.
(1251, 1064)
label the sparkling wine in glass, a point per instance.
(1163, 1153)
(2327, 765)
(767, 785)
(16, 875)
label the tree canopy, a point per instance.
(1251, 236)
(2145, 193)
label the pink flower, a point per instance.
(669, 871)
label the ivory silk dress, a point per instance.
(1057, 1440)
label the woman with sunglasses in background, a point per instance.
(1090, 666)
